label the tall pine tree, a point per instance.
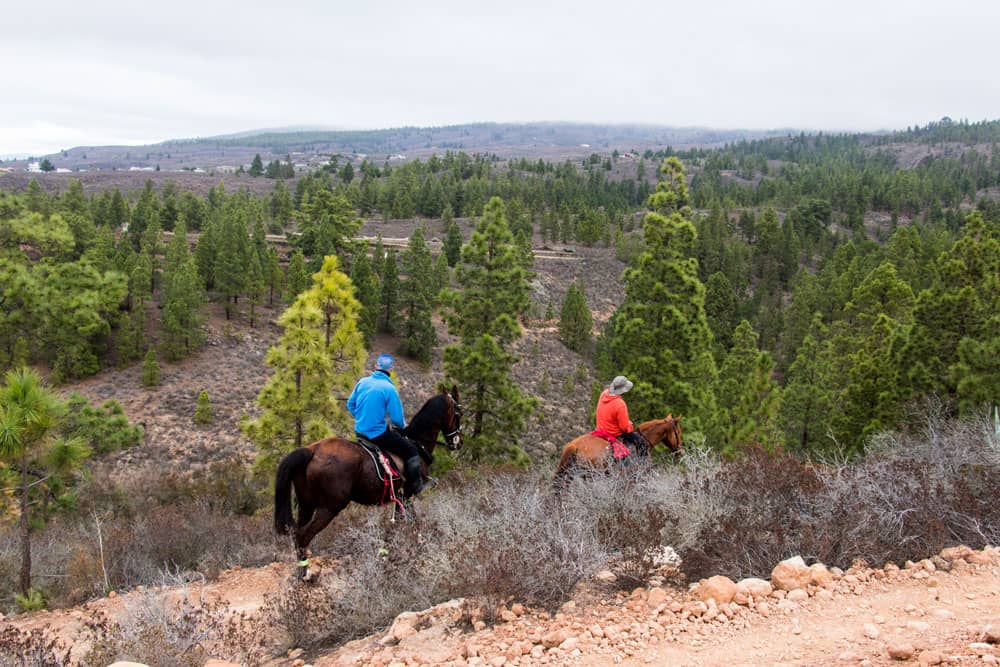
(660, 338)
(483, 317)
(417, 299)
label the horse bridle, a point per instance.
(453, 438)
(677, 432)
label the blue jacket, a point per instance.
(372, 399)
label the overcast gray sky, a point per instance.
(89, 72)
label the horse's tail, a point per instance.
(283, 520)
(566, 462)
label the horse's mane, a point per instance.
(429, 415)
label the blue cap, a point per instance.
(384, 362)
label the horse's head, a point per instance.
(674, 437)
(451, 427)
(667, 430)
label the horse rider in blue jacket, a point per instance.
(374, 398)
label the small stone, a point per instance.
(901, 651)
(298, 662)
(798, 595)
(517, 608)
(930, 658)
(871, 631)
(606, 576)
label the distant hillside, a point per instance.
(551, 141)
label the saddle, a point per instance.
(387, 465)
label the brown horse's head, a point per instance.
(453, 431)
(666, 430)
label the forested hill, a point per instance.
(544, 140)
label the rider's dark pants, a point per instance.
(635, 442)
(391, 441)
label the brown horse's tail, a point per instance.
(566, 462)
(283, 520)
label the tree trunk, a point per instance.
(25, 535)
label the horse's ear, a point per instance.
(454, 392)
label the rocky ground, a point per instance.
(941, 610)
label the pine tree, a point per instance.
(809, 398)
(320, 353)
(366, 291)
(576, 324)
(281, 205)
(205, 251)
(442, 276)
(203, 410)
(182, 317)
(256, 167)
(29, 415)
(484, 318)
(959, 305)
(141, 278)
(254, 284)
(452, 243)
(747, 395)
(868, 344)
(327, 223)
(231, 257)
(131, 338)
(390, 293)
(273, 274)
(150, 369)
(298, 278)
(416, 297)
(660, 337)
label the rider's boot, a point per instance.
(414, 476)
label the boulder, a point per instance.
(790, 574)
(719, 588)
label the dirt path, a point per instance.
(942, 614)
(946, 615)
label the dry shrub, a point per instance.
(19, 648)
(930, 486)
(160, 633)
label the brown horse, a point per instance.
(594, 452)
(330, 474)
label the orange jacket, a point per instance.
(612, 415)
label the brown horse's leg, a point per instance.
(305, 534)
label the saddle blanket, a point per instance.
(618, 448)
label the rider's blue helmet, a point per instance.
(384, 362)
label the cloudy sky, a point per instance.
(90, 72)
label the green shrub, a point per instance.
(104, 429)
(150, 370)
(203, 411)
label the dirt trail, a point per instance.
(929, 615)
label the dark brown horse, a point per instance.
(595, 453)
(330, 474)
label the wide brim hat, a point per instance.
(619, 385)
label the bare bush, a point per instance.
(158, 632)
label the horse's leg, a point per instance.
(305, 514)
(305, 534)
(407, 512)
